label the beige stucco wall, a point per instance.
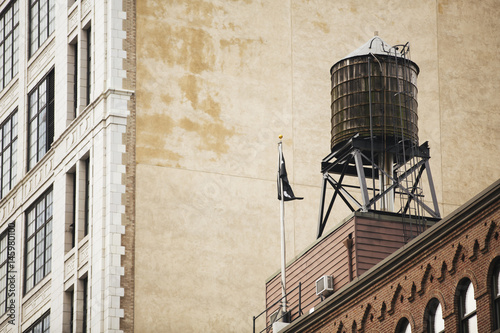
(218, 81)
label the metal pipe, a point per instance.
(300, 299)
(371, 126)
(283, 250)
(386, 163)
(348, 245)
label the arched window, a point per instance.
(467, 305)
(403, 326)
(496, 295)
(435, 321)
(354, 327)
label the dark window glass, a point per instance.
(38, 241)
(40, 119)
(72, 318)
(85, 305)
(73, 224)
(87, 196)
(75, 80)
(89, 64)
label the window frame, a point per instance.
(13, 34)
(464, 318)
(12, 119)
(495, 296)
(49, 25)
(431, 315)
(44, 320)
(47, 227)
(38, 117)
(403, 325)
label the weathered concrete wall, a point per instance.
(218, 81)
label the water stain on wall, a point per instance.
(322, 26)
(188, 47)
(155, 126)
(182, 53)
(211, 129)
(153, 130)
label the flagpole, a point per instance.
(282, 216)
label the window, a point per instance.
(68, 314)
(403, 326)
(41, 119)
(38, 241)
(72, 310)
(6, 239)
(89, 64)
(9, 43)
(75, 79)
(42, 325)
(467, 306)
(85, 283)
(435, 321)
(71, 210)
(496, 295)
(87, 197)
(42, 22)
(8, 154)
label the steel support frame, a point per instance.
(367, 203)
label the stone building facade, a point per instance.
(67, 108)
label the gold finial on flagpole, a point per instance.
(280, 136)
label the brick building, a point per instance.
(445, 279)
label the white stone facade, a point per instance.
(92, 134)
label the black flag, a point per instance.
(287, 189)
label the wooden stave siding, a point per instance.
(377, 239)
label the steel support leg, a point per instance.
(431, 185)
(322, 206)
(362, 181)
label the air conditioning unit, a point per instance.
(277, 326)
(324, 285)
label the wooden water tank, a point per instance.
(374, 79)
